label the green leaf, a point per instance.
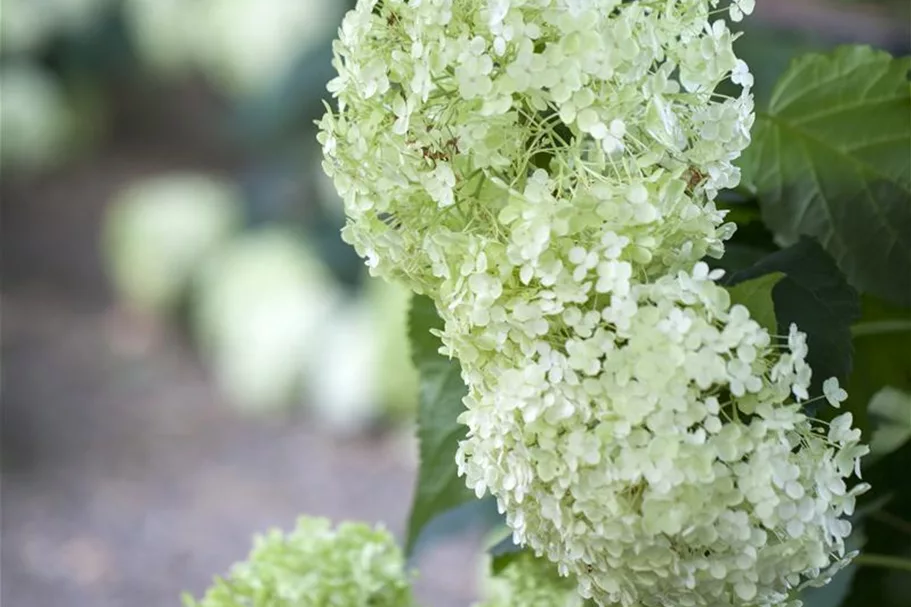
(831, 158)
(882, 345)
(439, 487)
(768, 50)
(737, 257)
(756, 295)
(813, 294)
(890, 410)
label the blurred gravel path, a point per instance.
(125, 480)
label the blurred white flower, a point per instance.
(158, 231)
(395, 375)
(28, 24)
(260, 307)
(343, 379)
(167, 33)
(35, 121)
(252, 43)
(243, 46)
(528, 582)
(364, 369)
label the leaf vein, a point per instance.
(869, 168)
(846, 108)
(800, 92)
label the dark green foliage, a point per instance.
(756, 295)
(438, 488)
(831, 158)
(814, 295)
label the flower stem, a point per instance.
(883, 561)
(880, 327)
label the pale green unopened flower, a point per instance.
(316, 566)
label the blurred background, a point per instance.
(190, 354)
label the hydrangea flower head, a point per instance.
(660, 455)
(528, 129)
(316, 565)
(546, 170)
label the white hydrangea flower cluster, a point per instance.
(660, 456)
(545, 170)
(519, 129)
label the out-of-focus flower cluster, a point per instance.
(530, 582)
(26, 27)
(244, 47)
(35, 119)
(316, 565)
(37, 113)
(545, 170)
(276, 327)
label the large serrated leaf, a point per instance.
(831, 158)
(439, 487)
